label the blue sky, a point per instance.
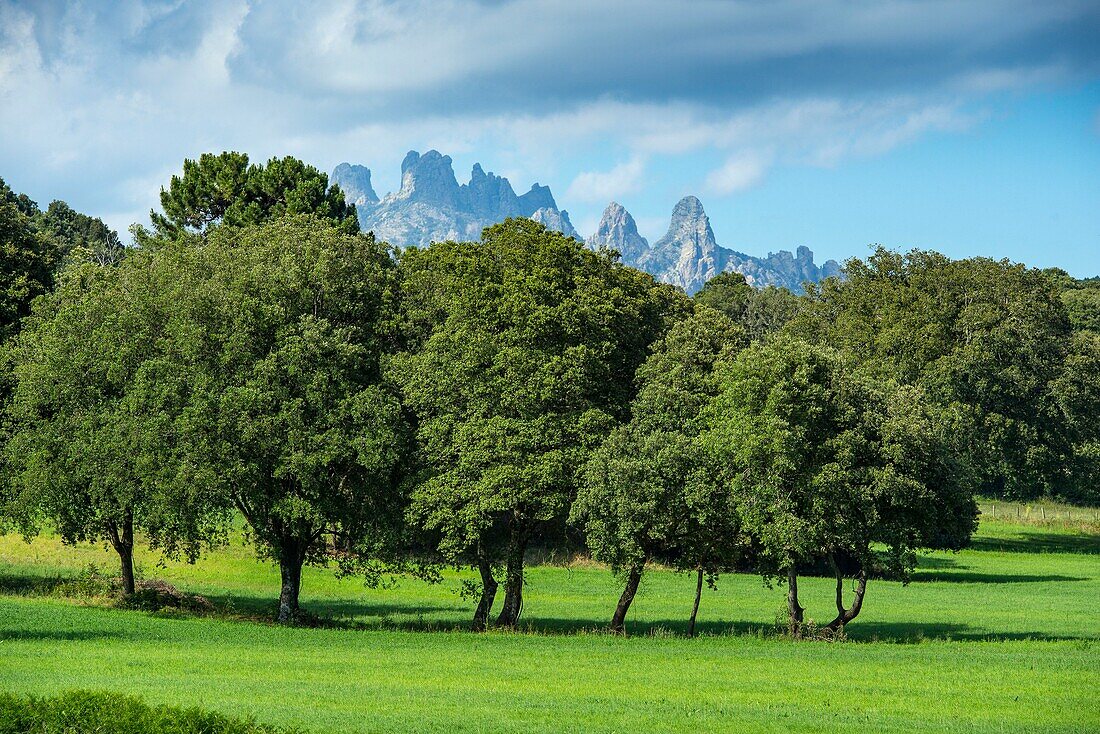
(967, 126)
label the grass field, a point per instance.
(1003, 637)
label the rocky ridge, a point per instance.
(688, 254)
(432, 206)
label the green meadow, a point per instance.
(1002, 637)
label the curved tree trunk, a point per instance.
(488, 594)
(846, 614)
(695, 607)
(618, 620)
(513, 576)
(795, 624)
(292, 554)
(122, 540)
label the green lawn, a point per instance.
(1003, 637)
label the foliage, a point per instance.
(80, 238)
(521, 356)
(1083, 305)
(822, 464)
(113, 713)
(27, 259)
(280, 331)
(226, 188)
(759, 311)
(93, 445)
(648, 492)
(986, 340)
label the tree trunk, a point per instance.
(488, 594)
(792, 605)
(123, 544)
(513, 576)
(846, 614)
(695, 607)
(618, 621)
(291, 557)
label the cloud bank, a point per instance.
(100, 102)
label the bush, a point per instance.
(88, 712)
(154, 596)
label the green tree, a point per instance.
(521, 356)
(648, 492)
(281, 337)
(1077, 396)
(93, 445)
(80, 237)
(1083, 305)
(28, 259)
(983, 339)
(226, 188)
(760, 312)
(825, 465)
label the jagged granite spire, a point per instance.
(354, 181)
(432, 206)
(428, 178)
(618, 231)
(689, 256)
(539, 197)
(489, 195)
(556, 220)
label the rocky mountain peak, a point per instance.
(428, 178)
(689, 230)
(354, 181)
(555, 220)
(618, 231)
(688, 252)
(431, 206)
(489, 195)
(539, 197)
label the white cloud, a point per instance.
(603, 186)
(740, 172)
(100, 102)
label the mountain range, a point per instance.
(432, 206)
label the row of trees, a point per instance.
(387, 411)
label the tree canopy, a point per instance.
(226, 189)
(520, 358)
(281, 337)
(93, 445)
(825, 464)
(648, 492)
(987, 339)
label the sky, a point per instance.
(971, 127)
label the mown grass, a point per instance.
(1003, 637)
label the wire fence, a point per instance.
(1037, 512)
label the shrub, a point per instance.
(114, 713)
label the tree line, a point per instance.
(397, 411)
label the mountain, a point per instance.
(617, 231)
(688, 254)
(432, 206)
(354, 181)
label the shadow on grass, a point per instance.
(13, 585)
(58, 635)
(970, 577)
(1040, 543)
(340, 612)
